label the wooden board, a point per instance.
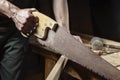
(114, 59)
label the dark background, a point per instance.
(97, 17)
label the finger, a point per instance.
(32, 10)
(78, 38)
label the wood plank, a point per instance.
(114, 58)
(56, 71)
(49, 64)
(71, 71)
(87, 38)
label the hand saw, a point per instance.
(55, 38)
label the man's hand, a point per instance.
(23, 18)
(25, 21)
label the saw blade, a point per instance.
(64, 43)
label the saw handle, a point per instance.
(38, 25)
(45, 24)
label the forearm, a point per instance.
(61, 12)
(7, 8)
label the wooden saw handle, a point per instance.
(44, 25)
